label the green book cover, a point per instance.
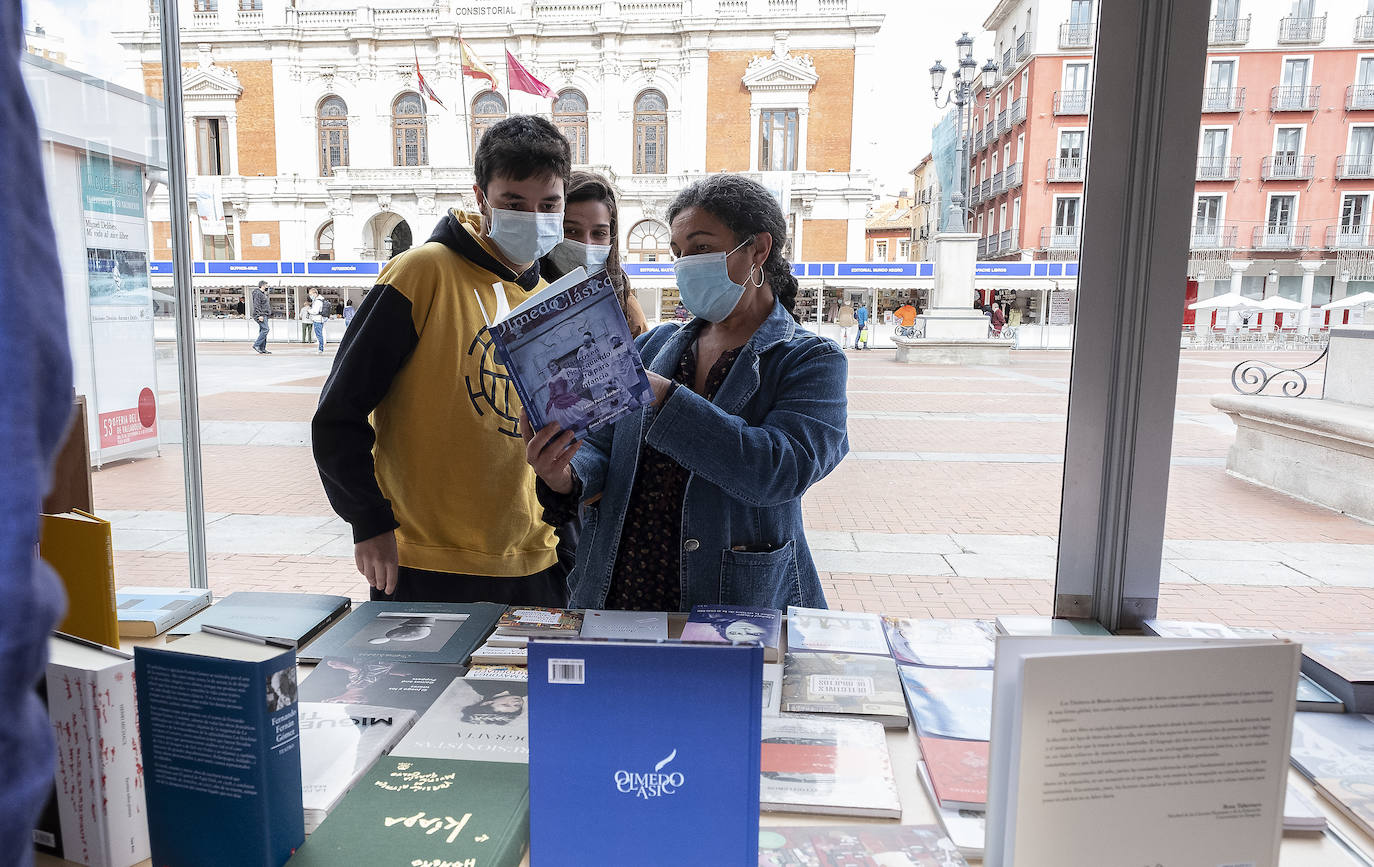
(408, 811)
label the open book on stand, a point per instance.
(570, 355)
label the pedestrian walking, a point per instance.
(317, 316)
(861, 316)
(303, 316)
(348, 312)
(262, 312)
(845, 319)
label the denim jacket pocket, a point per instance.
(767, 579)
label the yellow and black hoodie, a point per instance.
(416, 427)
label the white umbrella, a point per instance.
(1351, 301)
(1228, 301)
(1278, 302)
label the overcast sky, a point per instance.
(915, 33)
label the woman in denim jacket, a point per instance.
(697, 499)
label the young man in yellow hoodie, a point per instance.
(416, 435)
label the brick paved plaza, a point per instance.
(948, 504)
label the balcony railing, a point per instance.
(985, 190)
(1355, 166)
(1281, 236)
(1294, 30)
(1229, 31)
(1218, 168)
(1213, 236)
(1018, 110)
(1012, 176)
(1003, 121)
(1288, 167)
(1350, 237)
(205, 18)
(1023, 46)
(1364, 28)
(1064, 169)
(1223, 99)
(1006, 242)
(1060, 237)
(1294, 98)
(1006, 61)
(983, 248)
(249, 17)
(1359, 97)
(1076, 35)
(1072, 101)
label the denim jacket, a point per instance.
(777, 425)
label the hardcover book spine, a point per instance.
(125, 815)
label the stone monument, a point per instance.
(955, 332)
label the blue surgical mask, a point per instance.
(524, 236)
(704, 282)
(570, 254)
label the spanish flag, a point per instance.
(473, 66)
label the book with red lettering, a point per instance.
(816, 765)
(958, 772)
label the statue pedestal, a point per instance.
(955, 332)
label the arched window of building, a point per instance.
(651, 133)
(488, 109)
(332, 123)
(570, 116)
(648, 242)
(409, 136)
(324, 242)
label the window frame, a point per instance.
(645, 121)
(478, 124)
(791, 132)
(325, 127)
(574, 125)
(402, 127)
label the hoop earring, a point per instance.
(750, 278)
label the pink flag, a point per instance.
(520, 78)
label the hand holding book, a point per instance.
(549, 452)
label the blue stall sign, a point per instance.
(1002, 269)
(877, 269)
(241, 267)
(649, 269)
(159, 267)
(344, 268)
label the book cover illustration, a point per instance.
(531, 620)
(498, 672)
(484, 720)
(727, 623)
(147, 611)
(859, 845)
(1336, 752)
(432, 632)
(409, 685)
(1350, 659)
(949, 702)
(416, 812)
(834, 631)
(958, 772)
(967, 829)
(643, 625)
(570, 355)
(291, 617)
(339, 742)
(814, 765)
(844, 683)
(941, 643)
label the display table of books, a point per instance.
(444, 735)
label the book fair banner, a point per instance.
(121, 308)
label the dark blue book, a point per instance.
(647, 739)
(431, 632)
(221, 752)
(570, 355)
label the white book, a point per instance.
(339, 743)
(498, 672)
(841, 767)
(482, 720)
(520, 641)
(1300, 814)
(491, 654)
(102, 816)
(966, 828)
(1172, 750)
(772, 688)
(835, 631)
(641, 625)
(146, 611)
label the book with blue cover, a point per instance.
(650, 739)
(569, 352)
(220, 729)
(949, 702)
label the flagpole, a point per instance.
(463, 83)
(506, 60)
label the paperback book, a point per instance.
(949, 702)
(147, 611)
(339, 742)
(726, 623)
(221, 751)
(295, 618)
(858, 845)
(492, 654)
(967, 829)
(529, 620)
(1343, 665)
(1336, 752)
(498, 672)
(835, 766)
(79, 548)
(435, 632)
(96, 814)
(408, 685)
(1025, 624)
(639, 625)
(861, 687)
(406, 812)
(941, 643)
(958, 772)
(772, 689)
(656, 743)
(835, 631)
(1300, 815)
(570, 355)
(482, 720)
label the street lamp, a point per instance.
(961, 95)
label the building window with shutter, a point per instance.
(409, 134)
(651, 133)
(570, 116)
(778, 140)
(332, 124)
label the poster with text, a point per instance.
(121, 308)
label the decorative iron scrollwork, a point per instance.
(1252, 377)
